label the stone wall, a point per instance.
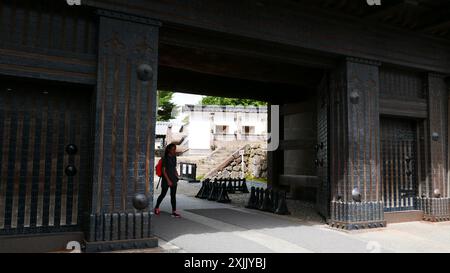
(255, 163)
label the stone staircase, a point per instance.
(209, 162)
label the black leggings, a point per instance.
(173, 199)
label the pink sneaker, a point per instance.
(176, 214)
(157, 211)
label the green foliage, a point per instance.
(165, 105)
(210, 100)
(256, 179)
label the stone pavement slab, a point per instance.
(212, 227)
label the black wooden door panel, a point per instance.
(38, 192)
(398, 165)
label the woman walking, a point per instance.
(169, 179)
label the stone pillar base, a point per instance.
(119, 226)
(434, 209)
(90, 247)
(357, 215)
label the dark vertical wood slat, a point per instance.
(427, 161)
(56, 30)
(72, 121)
(131, 137)
(63, 33)
(418, 161)
(448, 143)
(368, 123)
(437, 95)
(384, 158)
(114, 133)
(10, 169)
(44, 159)
(73, 42)
(119, 124)
(78, 180)
(2, 24)
(405, 169)
(30, 159)
(50, 32)
(30, 38)
(356, 170)
(12, 22)
(5, 20)
(59, 159)
(54, 160)
(26, 23)
(87, 29)
(17, 167)
(376, 150)
(150, 132)
(6, 133)
(101, 100)
(65, 178)
(36, 160)
(37, 34)
(392, 178)
(144, 137)
(23, 159)
(138, 135)
(394, 172)
(412, 169)
(125, 172)
(346, 151)
(402, 170)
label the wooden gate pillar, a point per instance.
(435, 200)
(274, 154)
(356, 200)
(122, 190)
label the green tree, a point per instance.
(165, 105)
(210, 100)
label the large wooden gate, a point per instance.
(398, 165)
(44, 156)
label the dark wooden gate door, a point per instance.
(43, 183)
(398, 165)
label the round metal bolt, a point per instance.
(356, 194)
(435, 136)
(70, 170)
(145, 72)
(354, 97)
(140, 201)
(436, 193)
(71, 149)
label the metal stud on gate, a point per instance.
(70, 170)
(437, 193)
(356, 195)
(140, 201)
(71, 149)
(145, 72)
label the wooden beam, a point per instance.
(249, 48)
(404, 108)
(220, 64)
(186, 81)
(294, 24)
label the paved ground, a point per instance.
(212, 227)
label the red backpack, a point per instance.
(158, 168)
